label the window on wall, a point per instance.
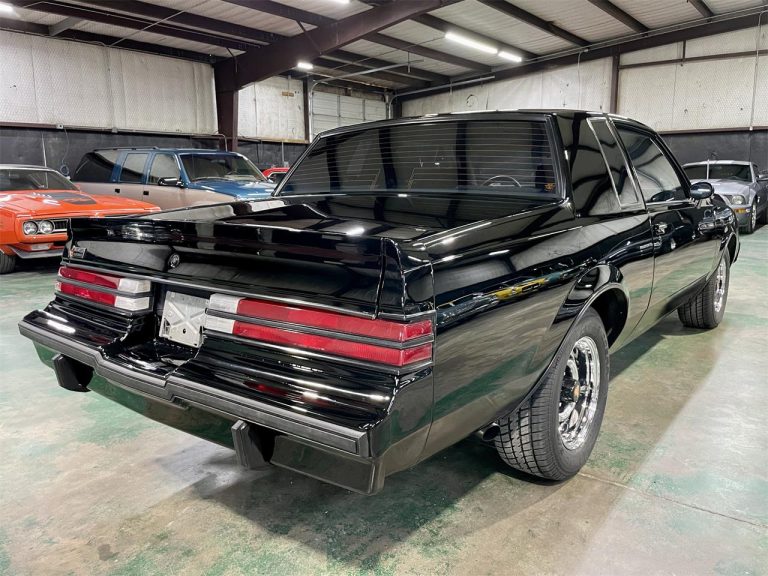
(133, 168)
(617, 166)
(659, 181)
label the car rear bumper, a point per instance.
(329, 452)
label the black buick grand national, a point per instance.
(410, 283)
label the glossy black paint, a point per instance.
(503, 279)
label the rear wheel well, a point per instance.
(611, 306)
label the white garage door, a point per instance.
(332, 111)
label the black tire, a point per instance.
(530, 439)
(702, 311)
(7, 263)
(752, 222)
(763, 219)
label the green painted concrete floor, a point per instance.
(677, 484)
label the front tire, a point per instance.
(706, 309)
(552, 434)
(7, 263)
(752, 222)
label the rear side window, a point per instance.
(617, 166)
(506, 157)
(163, 166)
(656, 174)
(96, 166)
(133, 168)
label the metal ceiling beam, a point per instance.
(16, 25)
(445, 27)
(284, 11)
(407, 71)
(170, 16)
(702, 7)
(261, 63)
(719, 25)
(428, 52)
(524, 16)
(619, 14)
(66, 24)
(289, 12)
(387, 76)
(277, 9)
(131, 22)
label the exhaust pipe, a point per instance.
(489, 433)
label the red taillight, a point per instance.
(105, 289)
(345, 335)
(384, 329)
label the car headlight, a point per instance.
(738, 199)
(45, 226)
(29, 228)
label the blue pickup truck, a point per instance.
(172, 177)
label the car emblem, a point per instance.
(174, 260)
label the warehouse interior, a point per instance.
(678, 481)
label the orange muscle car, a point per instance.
(35, 206)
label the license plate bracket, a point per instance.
(183, 318)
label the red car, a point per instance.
(35, 206)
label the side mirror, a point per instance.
(763, 176)
(702, 190)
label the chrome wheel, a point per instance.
(720, 283)
(579, 393)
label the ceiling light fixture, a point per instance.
(304, 66)
(510, 56)
(6, 8)
(459, 39)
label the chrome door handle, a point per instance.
(660, 228)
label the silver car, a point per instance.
(739, 184)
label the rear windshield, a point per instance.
(508, 157)
(15, 179)
(220, 167)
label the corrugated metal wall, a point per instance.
(689, 96)
(331, 110)
(51, 81)
(587, 86)
(272, 109)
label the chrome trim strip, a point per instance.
(222, 290)
(410, 368)
(104, 307)
(412, 343)
(175, 389)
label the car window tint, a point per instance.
(133, 168)
(96, 166)
(163, 166)
(617, 166)
(657, 176)
(508, 157)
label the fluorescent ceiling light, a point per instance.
(459, 39)
(304, 66)
(510, 56)
(6, 8)
(341, 1)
